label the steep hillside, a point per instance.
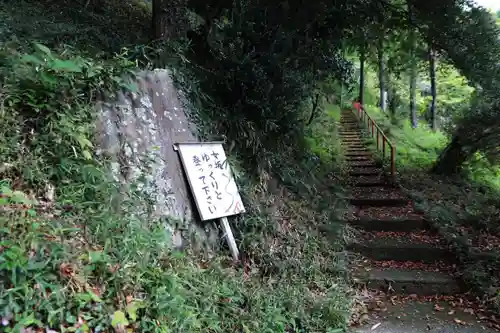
(76, 255)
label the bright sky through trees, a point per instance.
(492, 4)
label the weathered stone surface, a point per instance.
(409, 281)
(419, 317)
(137, 132)
(398, 225)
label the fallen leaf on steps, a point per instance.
(437, 307)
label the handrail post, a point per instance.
(393, 162)
(363, 116)
(378, 139)
(383, 146)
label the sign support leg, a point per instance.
(230, 238)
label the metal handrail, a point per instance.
(370, 123)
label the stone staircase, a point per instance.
(396, 250)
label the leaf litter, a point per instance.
(421, 236)
(437, 266)
(371, 303)
(376, 192)
(383, 213)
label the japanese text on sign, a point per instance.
(210, 179)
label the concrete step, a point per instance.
(368, 164)
(355, 147)
(365, 171)
(402, 249)
(367, 154)
(356, 142)
(371, 184)
(378, 202)
(353, 150)
(377, 178)
(357, 151)
(359, 158)
(404, 224)
(381, 192)
(410, 281)
(353, 141)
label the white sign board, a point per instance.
(210, 179)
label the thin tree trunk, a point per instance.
(413, 88)
(413, 71)
(432, 69)
(342, 82)
(315, 103)
(362, 75)
(381, 73)
(169, 19)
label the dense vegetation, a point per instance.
(266, 75)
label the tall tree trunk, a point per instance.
(390, 96)
(362, 75)
(381, 73)
(432, 70)
(413, 71)
(159, 27)
(169, 19)
(342, 82)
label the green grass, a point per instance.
(415, 148)
(323, 133)
(419, 148)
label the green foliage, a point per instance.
(415, 148)
(94, 26)
(57, 274)
(454, 93)
(320, 136)
(48, 100)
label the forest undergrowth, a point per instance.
(71, 262)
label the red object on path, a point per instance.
(357, 106)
